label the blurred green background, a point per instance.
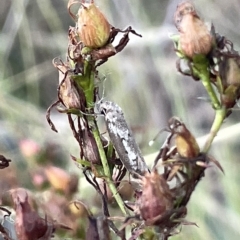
(142, 79)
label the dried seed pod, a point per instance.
(186, 143)
(195, 37)
(68, 92)
(57, 177)
(187, 149)
(92, 26)
(90, 149)
(61, 180)
(28, 224)
(156, 199)
(229, 71)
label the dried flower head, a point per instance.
(61, 180)
(68, 91)
(156, 199)
(186, 143)
(184, 8)
(195, 37)
(92, 26)
(229, 70)
(28, 224)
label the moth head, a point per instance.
(107, 106)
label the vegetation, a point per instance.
(82, 188)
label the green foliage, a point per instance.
(141, 79)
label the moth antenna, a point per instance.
(151, 142)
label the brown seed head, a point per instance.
(156, 198)
(229, 70)
(90, 150)
(28, 224)
(92, 26)
(183, 9)
(68, 92)
(58, 178)
(186, 143)
(195, 37)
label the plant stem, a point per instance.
(208, 86)
(201, 69)
(217, 123)
(87, 83)
(107, 171)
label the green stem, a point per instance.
(217, 123)
(86, 82)
(107, 171)
(201, 70)
(89, 94)
(208, 86)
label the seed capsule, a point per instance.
(186, 143)
(195, 37)
(92, 26)
(229, 71)
(68, 91)
(156, 199)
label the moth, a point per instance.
(122, 138)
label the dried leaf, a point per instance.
(28, 224)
